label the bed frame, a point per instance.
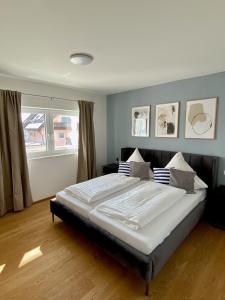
(145, 266)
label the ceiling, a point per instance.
(135, 43)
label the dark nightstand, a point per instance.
(110, 168)
(215, 212)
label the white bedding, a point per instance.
(98, 188)
(82, 207)
(148, 238)
(139, 206)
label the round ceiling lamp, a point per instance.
(81, 58)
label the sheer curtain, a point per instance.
(86, 147)
(15, 193)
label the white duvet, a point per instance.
(100, 187)
(139, 206)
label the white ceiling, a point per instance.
(135, 43)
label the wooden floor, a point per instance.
(42, 260)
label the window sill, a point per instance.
(52, 156)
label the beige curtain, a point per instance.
(86, 148)
(15, 193)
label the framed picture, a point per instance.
(166, 120)
(201, 119)
(140, 121)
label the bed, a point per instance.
(145, 258)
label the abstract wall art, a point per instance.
(201, 119)
(140, 121)
(166, 120)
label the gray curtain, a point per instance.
(86, 148)
(15, 193)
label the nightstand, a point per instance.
(215, 212)
(110, 168)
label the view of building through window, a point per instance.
(64, 129)
(49, 132)
(34, 126)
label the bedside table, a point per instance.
(215, 212)
(110, 168)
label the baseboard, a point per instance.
(44, 199)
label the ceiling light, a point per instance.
(81, 58)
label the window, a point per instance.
(49, 132)
(34, 127)
(64, 128)
(61, 135)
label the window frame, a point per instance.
(49, 131)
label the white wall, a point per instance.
(52, 174)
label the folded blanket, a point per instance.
(100, 187)
(142, 204)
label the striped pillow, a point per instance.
(161, 175)
(124, 168)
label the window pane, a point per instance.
(65, 131)
(34, 127)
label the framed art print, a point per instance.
(140, 121)
(166, 120)
(201, 119)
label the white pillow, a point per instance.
(178, 162)
(136, 156)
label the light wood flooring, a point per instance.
(44, 260)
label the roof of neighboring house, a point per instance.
(33, 121)
(62, 125)
(34, 126)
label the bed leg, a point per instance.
(53, 218)
(146, 288)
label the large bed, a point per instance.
(146, 251)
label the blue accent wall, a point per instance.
(119, 117)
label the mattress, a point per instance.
(83, 208)
(148, 238)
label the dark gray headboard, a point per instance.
(206, 166)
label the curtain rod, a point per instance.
(51, 98)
